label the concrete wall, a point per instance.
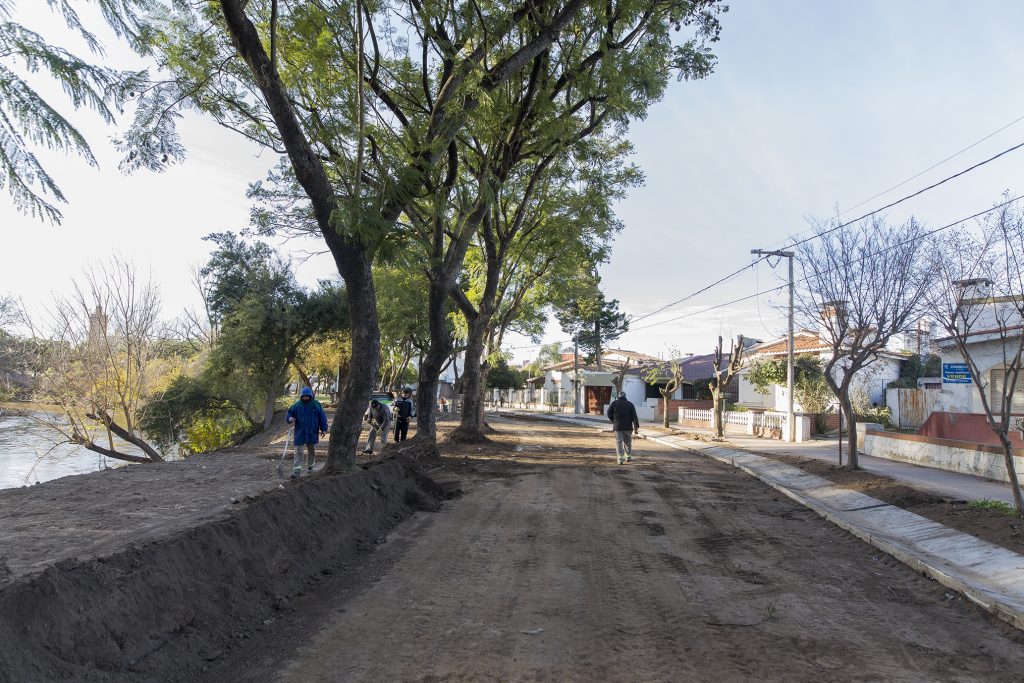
(943, 454)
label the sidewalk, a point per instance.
(991, 576)
(953, 485)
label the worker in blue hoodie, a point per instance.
(310, 424)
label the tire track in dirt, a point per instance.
(563, 566)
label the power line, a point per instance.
(919, 174)
(923, 235)
(837, 227)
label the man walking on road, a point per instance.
(310, 424)
(622, 414)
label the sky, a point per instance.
(814, 107)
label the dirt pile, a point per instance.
(165, 608)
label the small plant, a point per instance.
(1000, 506)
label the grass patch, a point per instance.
(1000, 506)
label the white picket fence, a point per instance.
(749, 421)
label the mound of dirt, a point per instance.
(461, 435)
(165, 608)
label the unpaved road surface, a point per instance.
(559, 565)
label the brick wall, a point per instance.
(675, 404)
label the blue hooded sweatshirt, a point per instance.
(310, 419)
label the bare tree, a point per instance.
(671, 373)
(862, 286)
(100, 357)
(978, 300)
(723, 375)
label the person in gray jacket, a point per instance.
(379, 417)
(622, 414)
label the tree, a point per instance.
(28, 120)
(915, 367)
(810, 389)
(590, 319)
(977, 299)
(862, 285)
(264, 317)
(360, 139)
(668, 376)
(102, 362)
(616, 65)
(725, 369)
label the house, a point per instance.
(872, 379)
(994, 328)
(555, 386)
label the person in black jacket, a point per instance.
(622, 414)
(404, 409)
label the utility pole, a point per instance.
(790, 420)
(576, 376)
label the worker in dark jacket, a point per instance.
(404, 410)
(622, 414)
(310, 424)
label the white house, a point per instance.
(994, 328)
(872, 379)
(555, 387)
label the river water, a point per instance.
(30, 452)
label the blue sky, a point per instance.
(814, 106)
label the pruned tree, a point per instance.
(102, 361)
(668, 376)
(725, 367)
(619, 378)
(862, 286)
(977, 297)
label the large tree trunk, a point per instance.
(433, 362)
(1011, 470)
(354, 396)
(853, 462)
(718, 412)
(471, 428)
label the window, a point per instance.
(996, 383)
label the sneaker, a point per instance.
(296, 475)
(620, 462)
(309, 470)
(629, 459)
(367, 451)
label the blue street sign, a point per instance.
(956, 373)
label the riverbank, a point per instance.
(155, 570)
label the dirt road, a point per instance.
(558, 564)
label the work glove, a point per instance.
(323, 434)
(290, 420)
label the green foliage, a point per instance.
(810, 388)
(913, 368)
(999, 506)
(28, 120)
(587, 316)
(196, 416)
(501, 376)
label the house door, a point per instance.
(597, 398)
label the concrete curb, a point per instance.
(988, 575)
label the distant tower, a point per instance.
(98, 321)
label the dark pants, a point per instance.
(401, 429)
